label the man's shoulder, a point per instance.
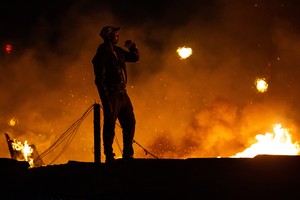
(101, 48)
(118, 48)
(99, 52)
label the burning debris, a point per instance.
(23, 152)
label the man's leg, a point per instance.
(110, 117)
(108, 137)
(127, 121)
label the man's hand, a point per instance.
(129, 43)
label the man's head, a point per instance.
(109, 33)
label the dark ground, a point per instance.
(262, 177)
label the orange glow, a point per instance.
(261, 85)
(277, 143)
(184, 52)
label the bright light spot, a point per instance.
(184, 52)
(277, 143)
(261, 85)
(13, 121)
(8, 48)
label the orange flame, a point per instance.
(277, 143)
(25, 151)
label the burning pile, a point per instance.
(23, 152)
(277, 143)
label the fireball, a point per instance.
(184, 52)
(13, 121)
(261, 85)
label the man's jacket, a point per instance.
(110, 69)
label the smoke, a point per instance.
(204, 106)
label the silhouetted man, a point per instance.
(111, 78)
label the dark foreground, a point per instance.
(262, 177)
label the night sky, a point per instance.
(203, 106)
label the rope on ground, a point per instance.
(145, 150)
(68, 135)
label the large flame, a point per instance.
(184, 52)
(277, 143)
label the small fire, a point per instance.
(25, 151)
(261, 85)
(277, 143)
(184, 52)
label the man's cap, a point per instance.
(107, 31)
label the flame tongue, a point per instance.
(277, 143)
(25, 151)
